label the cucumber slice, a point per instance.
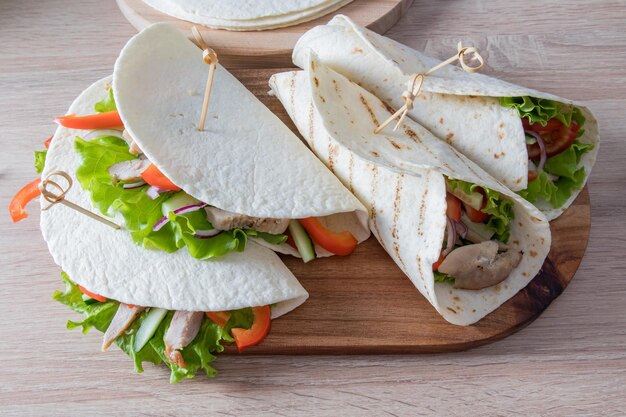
(477, 231)
(148, 327)
(178, 200)
(474, 200)
(303, 241)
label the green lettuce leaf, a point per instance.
(571, 177)
(501, 209)
(140, 212)
(541, 110)
(40, 160)
(443, 278)
(198, 355)
(106, 104)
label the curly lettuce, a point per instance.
(565, 165)
(106, 104)
(500, 208)
(570, 177)
(542, 110)
(40, 160)
(141, 212)
(198, 355)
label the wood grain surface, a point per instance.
(269, 48)
(571, 361)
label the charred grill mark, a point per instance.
(410, 133)
(396, 216)
(316, 81)
(331, 162)
(357, 50)
(369, 109)
(498, 155)
(451, 309)
(420, 228)
(373, 193)
(375, 154)
(449, 137)
(336, 86)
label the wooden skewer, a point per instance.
(53, 198)
(210, 57)
(416, 81)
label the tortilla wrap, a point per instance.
(405, 196)
(246, 160)
(107, 262)
(246, 15)
(461, 108)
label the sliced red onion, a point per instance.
(205, 234)
(182, 210)
(133, 185)
(542, 149)
(153, 192)
(451, 237)
(461, 228)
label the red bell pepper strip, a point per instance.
(219, 317)
(154, 177)
(244, 338)
(92, 295)
(22, 198)
(47, 142)
(453, 207)
(106, 120)
(342, 243)
(439, 261)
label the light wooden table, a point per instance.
(571, 361)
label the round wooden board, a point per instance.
(270, 48)
(363, 303)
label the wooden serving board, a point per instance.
(363, 303)
(269, 48)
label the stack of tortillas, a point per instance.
(247, 15)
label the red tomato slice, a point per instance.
(556, 140)
(219, 317)
(106, 120)
(244, 338)
(92, 295)
(22, 198)
(552, 125)
(342, 243)
(154, 177)
(453, 209)
(532, 175)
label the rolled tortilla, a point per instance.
(246, 160)
(461, 108)
(245, 15)
(405, 196)
(107, 262)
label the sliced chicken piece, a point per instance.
(226, 220)
(129, 170)
(133, 148)
(121, 321)
(184, 327)
(479, 266)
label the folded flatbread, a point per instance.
(461, 108)
(401, 178)
(107, 262)
(246, 15)
(246, 161)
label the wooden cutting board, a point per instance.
(364, 303)
(269, 48)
